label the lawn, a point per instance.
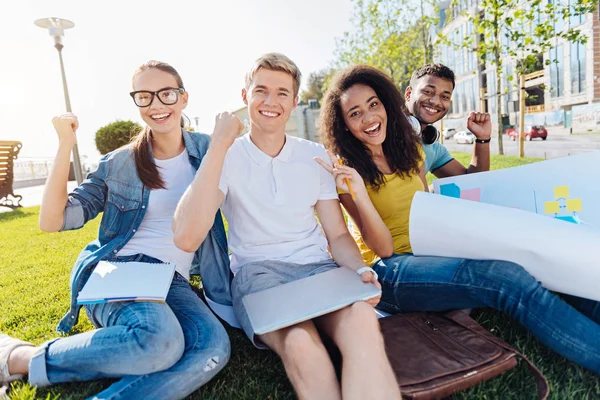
(34, 295)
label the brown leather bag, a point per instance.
(437, 354)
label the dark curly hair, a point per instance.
(439, 70)
(401, 145)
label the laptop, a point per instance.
(305, 299)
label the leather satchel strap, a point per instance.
(540, 380)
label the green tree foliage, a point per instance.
(521, 30)
(393, 36)
(317, 83)
(115, 135)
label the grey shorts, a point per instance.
(262, 275)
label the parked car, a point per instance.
(531, 132)
(449, 133)
(465, 137)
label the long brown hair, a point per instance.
(144, 163)
(400, 147)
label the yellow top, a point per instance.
(392, 202)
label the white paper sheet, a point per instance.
(570, 185)
(564, 256)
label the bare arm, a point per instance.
(481, 126)
(423, 178)
(196, 210)
(341, 244)
(373, 230)
(55, 194)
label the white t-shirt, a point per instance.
(270, 202)
(154, 237)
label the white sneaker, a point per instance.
(7, 345)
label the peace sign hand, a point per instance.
(343, 174)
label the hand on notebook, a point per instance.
(342, 174)
(369, 277)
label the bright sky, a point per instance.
(210, 43)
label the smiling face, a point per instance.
(429, 98)
(364, 115)
(161, 118)
(270, 99)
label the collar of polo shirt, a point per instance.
(259, 157)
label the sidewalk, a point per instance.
(32, 195)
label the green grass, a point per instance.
(34, 295)
(496, 162)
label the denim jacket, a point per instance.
(116, 190)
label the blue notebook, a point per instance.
(127, 281)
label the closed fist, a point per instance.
(66, 125)
(227, 127)
(480, 125)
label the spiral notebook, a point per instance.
(127, 281)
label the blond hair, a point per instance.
(275, 62)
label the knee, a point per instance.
(300, 347)
(508, 285)
(513, 275)
(217, 353)
(496, 273)
(359, 323)
(157, 349)
(361, 316)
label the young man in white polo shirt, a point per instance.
(269, 188)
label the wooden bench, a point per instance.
(9, 150)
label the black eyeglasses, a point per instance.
(430, 135)
(167, 96)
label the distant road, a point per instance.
(557, 145)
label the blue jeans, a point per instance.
(159, 350)
(412, 283)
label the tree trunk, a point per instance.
(498, 59)
(499, 109)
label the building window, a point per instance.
(456, 99)
(578, 58)
(557, 71)
(559, 24)
(575, 20)
(472, 96)
(463, 96)
(470, 66)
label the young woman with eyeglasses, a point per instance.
(156, 350)
(362, 122)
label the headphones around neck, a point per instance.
(429, 134)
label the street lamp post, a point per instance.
(56, 27)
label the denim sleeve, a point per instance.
(87, 200)
(441, 156)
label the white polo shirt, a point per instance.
(270, 202)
